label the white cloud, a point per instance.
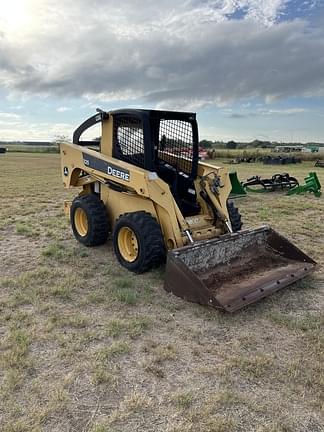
(286, 111)
(265, 112)
(25, 130)
(185, 55)
(8, 116)
(264, 11)
(63, 109)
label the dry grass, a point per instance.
(86, 346)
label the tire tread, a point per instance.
(149, 230)
(235, 216)
(97, 218)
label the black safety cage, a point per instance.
(148, 138)
(91, 121)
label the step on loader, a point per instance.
(142, 181)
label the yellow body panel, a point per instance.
(106, 134)
(118, 203)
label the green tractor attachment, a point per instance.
(237, 188)
(312, 184)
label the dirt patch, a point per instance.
(18, 253)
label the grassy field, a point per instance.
(87, 346)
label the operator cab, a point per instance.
(165, 142)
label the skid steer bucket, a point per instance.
(235, 270)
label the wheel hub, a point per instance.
(81, 222)
(128, 244)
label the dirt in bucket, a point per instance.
(253, 264)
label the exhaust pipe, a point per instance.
(234, 270)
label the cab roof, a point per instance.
(156, 114)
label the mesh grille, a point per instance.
(129, 140)
(176, 139)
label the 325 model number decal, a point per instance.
(105, 167)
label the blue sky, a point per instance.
(249, 68)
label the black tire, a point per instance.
(234, 216)
(293, 182)
(95, 231)
(149, 241)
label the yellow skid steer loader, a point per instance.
(143, 181)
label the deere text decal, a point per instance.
(105, 167)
